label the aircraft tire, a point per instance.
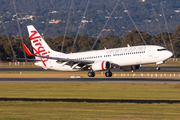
(158, 68)
(91, 74)
(108, 74)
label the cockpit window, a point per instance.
(161, 49)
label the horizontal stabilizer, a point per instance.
(27, 50)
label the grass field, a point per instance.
(36, 110)
(20, 110)
(91, 91)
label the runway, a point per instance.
(96, 80)
(93, 80)
(142, 69)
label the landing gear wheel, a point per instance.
(108, 74)
(158, 68)
(91, 74)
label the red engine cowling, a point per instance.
(130, 68)
(101, 65)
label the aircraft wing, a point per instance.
(66, 59)
(58, 58)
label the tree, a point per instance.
(176, 41)
(133, 39)
(110, 41)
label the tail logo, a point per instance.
(38, 47)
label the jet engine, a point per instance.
(101, 65)
(130, 68)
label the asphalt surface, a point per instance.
(97, 80)
(90, 100)
(94, 80)
(142, 69)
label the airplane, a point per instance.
(126, 58)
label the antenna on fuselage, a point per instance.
(134, 23)
(105, 24)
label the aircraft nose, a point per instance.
(169, 54)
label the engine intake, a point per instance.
(101, 65)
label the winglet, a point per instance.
(27, 50)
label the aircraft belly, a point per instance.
(64, 68)
(59, 67)
(52, 65)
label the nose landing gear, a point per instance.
(158, 68)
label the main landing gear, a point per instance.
(91, 74)
(108, 73)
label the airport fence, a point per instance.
(173, 59)
(149, 75)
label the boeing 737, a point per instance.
(126, 58)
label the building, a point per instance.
(54, 21)
(84, 21)
(177, 11)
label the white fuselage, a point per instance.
(126, 56)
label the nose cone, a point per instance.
(169, 54)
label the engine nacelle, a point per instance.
(130, 68)
(101, 65)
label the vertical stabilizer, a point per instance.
(40, 47)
